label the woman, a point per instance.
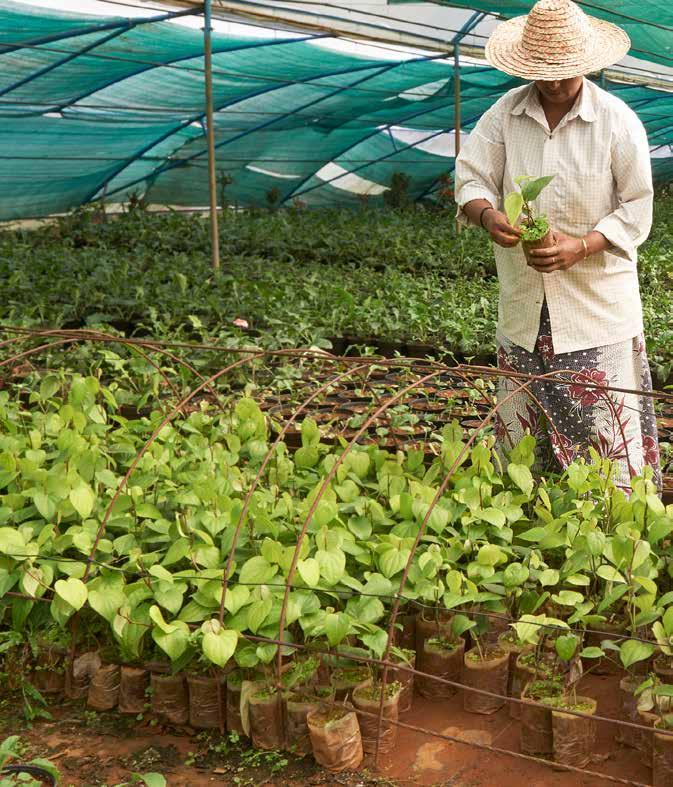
(575, 306)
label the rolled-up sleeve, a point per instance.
(628, 226)
(480, 164)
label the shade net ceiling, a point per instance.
(94, 107)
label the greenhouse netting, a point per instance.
(97, 107)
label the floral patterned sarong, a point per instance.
(619, 426)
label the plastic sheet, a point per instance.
(369, 721)
(207, 702)
(104, 688)
(335, 739)
(443, 663)
(132, 690)
(574, 737)
(169, 698)
(491, 674)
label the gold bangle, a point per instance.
(586, 248)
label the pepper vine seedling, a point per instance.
(518, 202)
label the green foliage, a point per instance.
(496, 540)
(570, 547)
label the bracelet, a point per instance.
(481, 215)
(586, 248)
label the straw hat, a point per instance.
(557, 40)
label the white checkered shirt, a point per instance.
(600, 156)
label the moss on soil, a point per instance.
(545, 690)
(535, 232)
(490, 654)
(443, 644)
(373, 692)
(352, 675)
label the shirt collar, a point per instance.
(584, 107)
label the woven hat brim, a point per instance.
(504, 51)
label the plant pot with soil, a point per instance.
(266, 718)
(485, 667)
(170, 700)
(628, 712)
(516, 681)
(655, 703)
(536, 719)
(335, 739)
(574, 737)
(49, 666)
(103, 694)
(233, 702)
(431, 622)
(367, 702)
(663, 668)
(405, 677)
(633, 691)
(298, 705)
(207, 688)
(535, 230)
(442, 657)
(78, 676)
(134, 682)
(662, 752)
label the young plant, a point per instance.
(655, 697)
(663, 631)
(517, 202)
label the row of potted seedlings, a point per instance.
(333, 712)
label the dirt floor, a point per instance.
(92, 750)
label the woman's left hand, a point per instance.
(566, 252)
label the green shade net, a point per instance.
(109, 107)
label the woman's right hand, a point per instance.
(500, 230)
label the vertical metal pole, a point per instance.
(456, 96)
(457, 109)
(210, 134)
